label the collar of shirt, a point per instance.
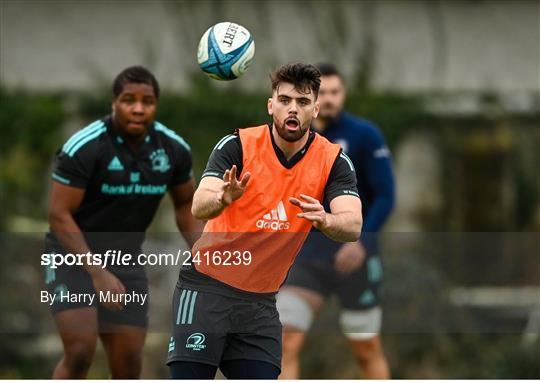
(117, 137)
(296, 157)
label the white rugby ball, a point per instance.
(225, 51)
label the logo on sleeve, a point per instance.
(115, 165)
(276, 219)
(160, 161)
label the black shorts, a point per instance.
(356, 291)
(76, 281)
(210, 328)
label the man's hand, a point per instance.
(312, 210)
(213, 194)
(344, 221)
(104, 281)
(349, 257)
(232, 188)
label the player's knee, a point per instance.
(133, 358)
(78, 357)
(127, 366)
(367, 350)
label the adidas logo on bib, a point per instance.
(115, 165)
(275, 220)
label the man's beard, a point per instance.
(291, 136)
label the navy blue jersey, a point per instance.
(364, 144)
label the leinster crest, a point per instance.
(160, 161)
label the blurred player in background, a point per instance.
(109, 178)
(353, 271)
(261, 193)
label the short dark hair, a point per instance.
(304, 77)
(328, 69)
(134, 74)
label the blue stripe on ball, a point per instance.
(219, 63)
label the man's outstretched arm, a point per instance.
(344, 221)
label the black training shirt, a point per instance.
(123, 187)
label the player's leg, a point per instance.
(124, 345)
(123, 332)
(76, 320)
(78, 329)
(370, 357)
(362, 327)
(293, 342)
(361, 317)
(296, 306)
(308, 284)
